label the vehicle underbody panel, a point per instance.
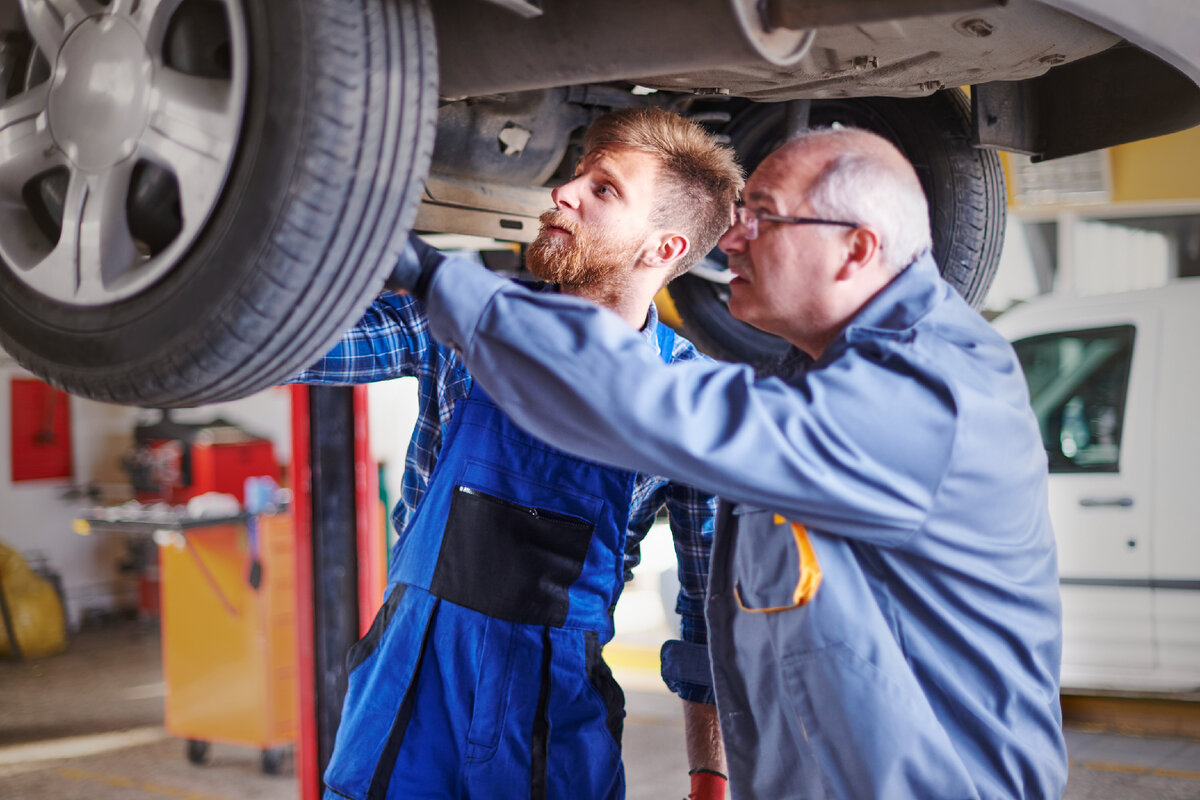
(706, 46)
(1077, 84)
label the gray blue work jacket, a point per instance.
(925, 664)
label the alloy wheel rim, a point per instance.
(114, 157)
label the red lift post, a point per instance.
(340, 572)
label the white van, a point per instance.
(1114, 383)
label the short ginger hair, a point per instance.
(699, 177)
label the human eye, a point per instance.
(752, 215)
(605, 190)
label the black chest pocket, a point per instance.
(510, 561)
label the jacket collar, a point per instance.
(891, 314)
(904, 301)
(649, 329)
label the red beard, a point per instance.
(583, 260)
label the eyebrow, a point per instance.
(597, 163)
(759, 195)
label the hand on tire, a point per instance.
(414, 268)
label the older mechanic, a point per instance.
(883, 608)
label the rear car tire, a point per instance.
(134, 271)
(963, 184)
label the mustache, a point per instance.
(555, 218)
(738, 263)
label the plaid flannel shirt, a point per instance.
(392, 340)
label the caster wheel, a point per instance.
(274, 759)
(197, 751)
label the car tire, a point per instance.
(334, 138)
(964, 186)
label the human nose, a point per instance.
(566, 195)
(734, 240)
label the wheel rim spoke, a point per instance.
(26, 146)
(24, 158)
(57, 274)
(50, 20)
(27, 150)
(24, 107)
(197, 112)
(151, 18)
(107, 253)
(95, 252)
(192, 133)
(125, 8)
(75, 10)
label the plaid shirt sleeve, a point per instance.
(392, 340)
(692, 515)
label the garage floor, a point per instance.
(88, 724)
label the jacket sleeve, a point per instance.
(858, 447)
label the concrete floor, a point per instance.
(88, 724)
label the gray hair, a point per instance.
(859, 186)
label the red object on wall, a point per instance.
(41, 431)
(211, 467)
(225, 467)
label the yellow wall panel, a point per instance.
(1164, 168)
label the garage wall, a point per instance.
(36, 516)
(391, 413)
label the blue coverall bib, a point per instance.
(481, 675)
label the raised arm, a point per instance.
(391, 340)
(580, 378)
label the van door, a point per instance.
(1176, 564)
(1091, 387)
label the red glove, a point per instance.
(707, 785)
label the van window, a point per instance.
(1077, 385)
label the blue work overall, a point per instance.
(481, 676)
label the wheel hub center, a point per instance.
(100, 94)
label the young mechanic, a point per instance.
(482, 674)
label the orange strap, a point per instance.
(810, 573)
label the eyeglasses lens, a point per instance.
(749, 221)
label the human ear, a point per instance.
(670, 248)
(862, 250)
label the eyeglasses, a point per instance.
(749, 219)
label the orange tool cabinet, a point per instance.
(227, 596)
(229, 646)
